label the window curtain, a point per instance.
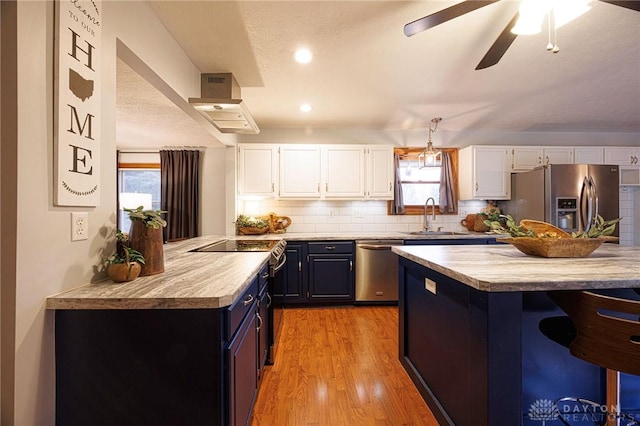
(397, 206)
(448, 202)
(180, 192)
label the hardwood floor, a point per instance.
(339, 366)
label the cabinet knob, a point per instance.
(248, 300)
(329, 247)
(476, 186)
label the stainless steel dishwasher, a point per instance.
(376, 271)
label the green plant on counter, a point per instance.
(250, 222)
(151, 218)
(509, 227)
(124, 253)
(600, 228)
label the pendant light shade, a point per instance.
(430, 157)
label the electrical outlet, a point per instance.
(79, 226)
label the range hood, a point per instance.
(221, 104)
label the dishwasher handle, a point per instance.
(378, 245)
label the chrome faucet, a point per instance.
(433, 212)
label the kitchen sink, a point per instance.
(437, 233)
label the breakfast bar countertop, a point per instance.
(189, 281)
(502, 268)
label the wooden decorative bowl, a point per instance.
(554, 247)
(249, 230)
(543, 227)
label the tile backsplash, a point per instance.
(368, 216)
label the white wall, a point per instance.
(47, 262)
(213, 191)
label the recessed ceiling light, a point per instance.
(303, 56)
(305, 107)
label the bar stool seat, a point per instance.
(602, 330)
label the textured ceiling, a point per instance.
(366, 74)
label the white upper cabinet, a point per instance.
(343, 171)
(299, 171)
(622, 156)
(257, 170)
(557, 155)
(530, 157)
(526, 157)
(379, 172)
(588, 155)
(485, 173)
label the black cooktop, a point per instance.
(239, 245)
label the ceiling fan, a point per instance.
(506, 37)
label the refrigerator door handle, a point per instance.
(584, 204)
(594, 198)
(590, 204)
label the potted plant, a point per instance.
(146, 237)
(125, 264)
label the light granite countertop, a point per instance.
(189, 281)
(200, 280)
(502, 268)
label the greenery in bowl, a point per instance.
(124, 253)
(600, 228)
(151, 218)
(250, 222)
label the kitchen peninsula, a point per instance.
(176, 348)
(468, 325)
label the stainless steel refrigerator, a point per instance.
(569, 196)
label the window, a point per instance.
(418, 184)
(138, 184)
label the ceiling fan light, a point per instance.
(526, 28)
(530, 16)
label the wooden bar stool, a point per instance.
(606, 332)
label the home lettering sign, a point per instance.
(77, 102)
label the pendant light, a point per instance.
(430, 157)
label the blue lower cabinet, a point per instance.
(242, 361)
(157, 366)
(331, 271)
(331, 278)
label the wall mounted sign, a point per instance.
(78, 44)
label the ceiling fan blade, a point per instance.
(629, 4)
(430, 21)
(500, 46)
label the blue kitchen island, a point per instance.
(469, 336)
